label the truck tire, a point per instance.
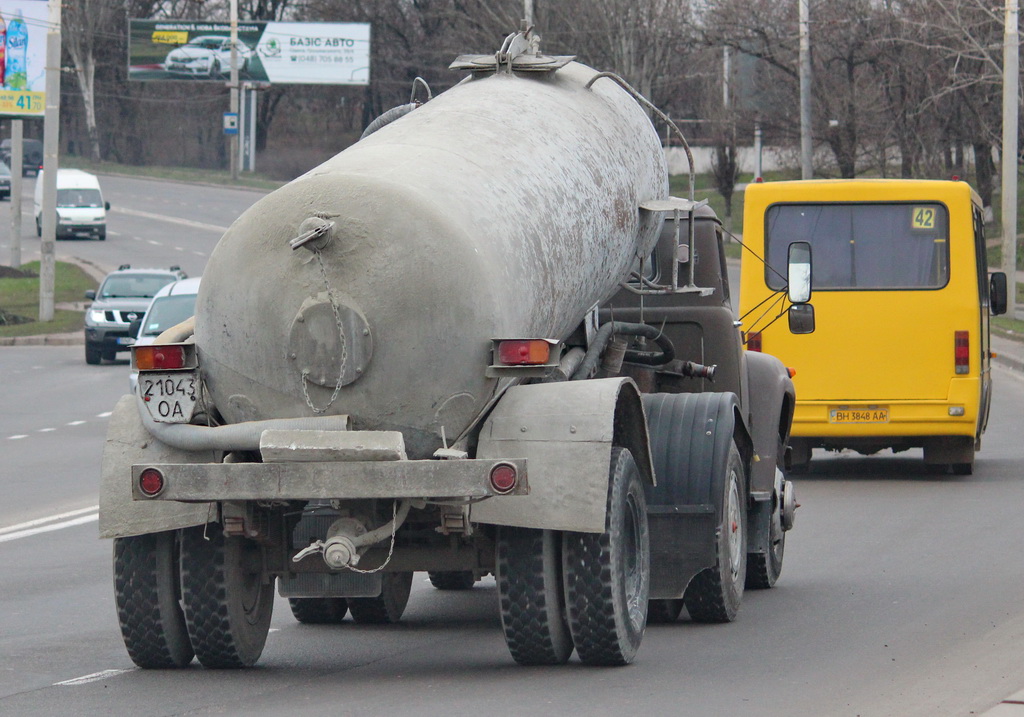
(763, 569)
(532, 596)
(93, 353)
(608, 575)
(386, 608)
(452, 579)
(227, 603)
(715, 593)
(663, 611)
(318, 611)
(146, 592)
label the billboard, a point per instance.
(23, 28)
(307, 53)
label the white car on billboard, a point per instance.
(206, 56)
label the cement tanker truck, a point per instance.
(461, 346)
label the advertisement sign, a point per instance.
(306, 53)
(23, 27)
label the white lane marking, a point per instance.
(14, 438)
(173, 220)
(94, 677)
(153, 242)
(49, 519)
(49, 528)
(76, 423)
(47, 430)
(179, 248)
(105, 414)
(198, 253)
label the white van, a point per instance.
(81, 210)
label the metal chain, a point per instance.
(391, 550)
(341, 336)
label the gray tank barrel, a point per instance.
(506, 207)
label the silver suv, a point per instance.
(123, 297)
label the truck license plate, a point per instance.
(170, 397)
(858, 415)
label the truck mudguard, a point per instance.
(128, 442)
(771, 410)
(691, 434)
(566, 432)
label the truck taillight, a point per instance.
(962, 351)
(754, 341)
(503, 478)
(151, 482)
(524, 352)
(157, 357)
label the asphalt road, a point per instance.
(902, 591)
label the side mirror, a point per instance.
(798, 276)
(90, 294)
(997, 293)
(801, 319)
(133, 328)
(106, 206)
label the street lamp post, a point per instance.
(1011, 110)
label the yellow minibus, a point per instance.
(890, 345)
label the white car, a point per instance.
(170, 306)
(206, 56)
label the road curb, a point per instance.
(70, 339)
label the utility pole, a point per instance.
(528, 12)
(51, 136)
(233, 151)
(806, 147)
(17, 160)
(1011, 110)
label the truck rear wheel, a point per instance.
(386, 608)
(763, 569)
(715, 593)
(146, 592)
(227, 603)
(318, 611)
(532, 596)
(608, 575)
(452, 579)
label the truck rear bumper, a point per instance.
(429, 479)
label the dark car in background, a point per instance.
(5, 181)
(31, 157)
(123, 297)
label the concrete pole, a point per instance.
(806, 147)
(528, 12)
(233, 151)
(51, 144)
(17, 159)
(758, 165)
(1011, 110)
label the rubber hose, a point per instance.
(234, 436)
(387, 118)
(604, 335)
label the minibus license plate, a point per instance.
(858, 415)
(171, 396)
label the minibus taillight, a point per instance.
(753, 341)
(962, 351)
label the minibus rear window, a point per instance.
(862, 246)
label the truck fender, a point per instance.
(566, 432)
(770, 415)
(128, 442)
(691, 435)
